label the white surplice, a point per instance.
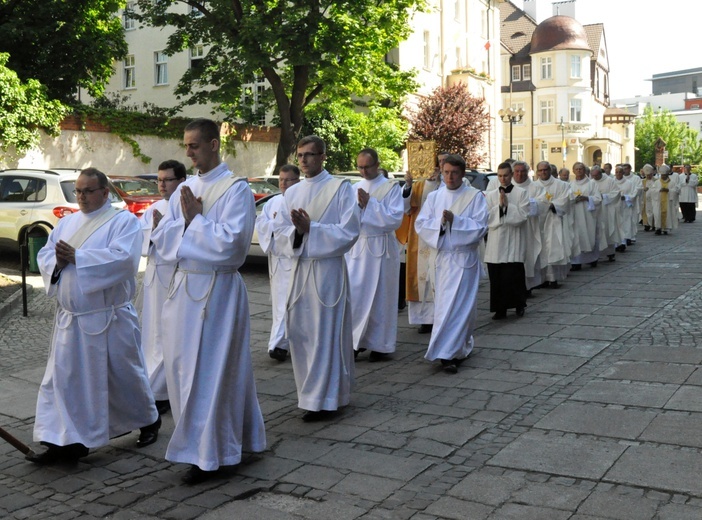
(507, 236)
(537, 211)
(555, 236)
(457, 269)
(688, 189)
(279, 270)
(95, 385)
(609, 226)
(374, 268)
(585, 220)
(206, 335)
(319, 308)
(627, 206)
(637, 183)
(157, 278)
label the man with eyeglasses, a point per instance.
(157, 279)
(279, 264)
(206, 345)
(374, 261)
(319, 224)
(95, 386)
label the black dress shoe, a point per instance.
(576, 267)
(357, 352)
(69, 453)
(629, 242)
(520, 311)
(149, 434)
(529, 294)
(647, 228)
(593, 264)
(163, 406)
(658, 232)
(196, 475)
(499, 315)
(378, 356)
(425, 328)
(318, 415)
(449, 366)
(278, 354)
(611, 258)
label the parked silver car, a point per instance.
(35, 200)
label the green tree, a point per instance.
(303, 48)
(24, 110)
(455, 120)
(347, 131)
(64, 45)
(681, 142)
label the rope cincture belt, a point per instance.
(213, 276)
(112, 317)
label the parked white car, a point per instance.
(35, 200)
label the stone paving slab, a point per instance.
(597, 420)
(546, 363)
(590, 332)
(632, 394)
(573, 456)
(676, 428)
(661, 467)
(568, 347)
(649, 371)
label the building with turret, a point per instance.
(555, 91)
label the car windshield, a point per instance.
(69, 186)
(136, 186)
(263, 187)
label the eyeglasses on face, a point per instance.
(86, 191)
(307, 155)
(169, 179)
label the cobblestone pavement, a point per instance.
(589, 407)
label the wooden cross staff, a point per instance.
(16, 442)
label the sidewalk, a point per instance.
(589, 407)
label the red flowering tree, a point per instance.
(455, 120)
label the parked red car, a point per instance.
(138, 193)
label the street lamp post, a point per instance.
(564, 151)
(511, 116)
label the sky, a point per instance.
(672, 41)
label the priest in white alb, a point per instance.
(279, 265)
(537, 210)
(453, 222)
(320, 222)
(586, 202)
(628, 205)
(206, 342)
(505, 251)
(664, 202)
(556, 239)
(95, 385)
(374, 260)
(157, 280)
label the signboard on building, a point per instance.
(556, 149)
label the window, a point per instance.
(457, 10)
(459, 61)
(526, 72)
(427, 50)
(484, 24)
(518, 152)
(516, 73)
(517, 107)
(547, 111)
(544, 151)
(129, 72)
(161, 70)
(545, 68)
(22, 189)
(128, 22)
(576, 110)
(197, 54)
(253, 99)
(695, 106)
(575, 63)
